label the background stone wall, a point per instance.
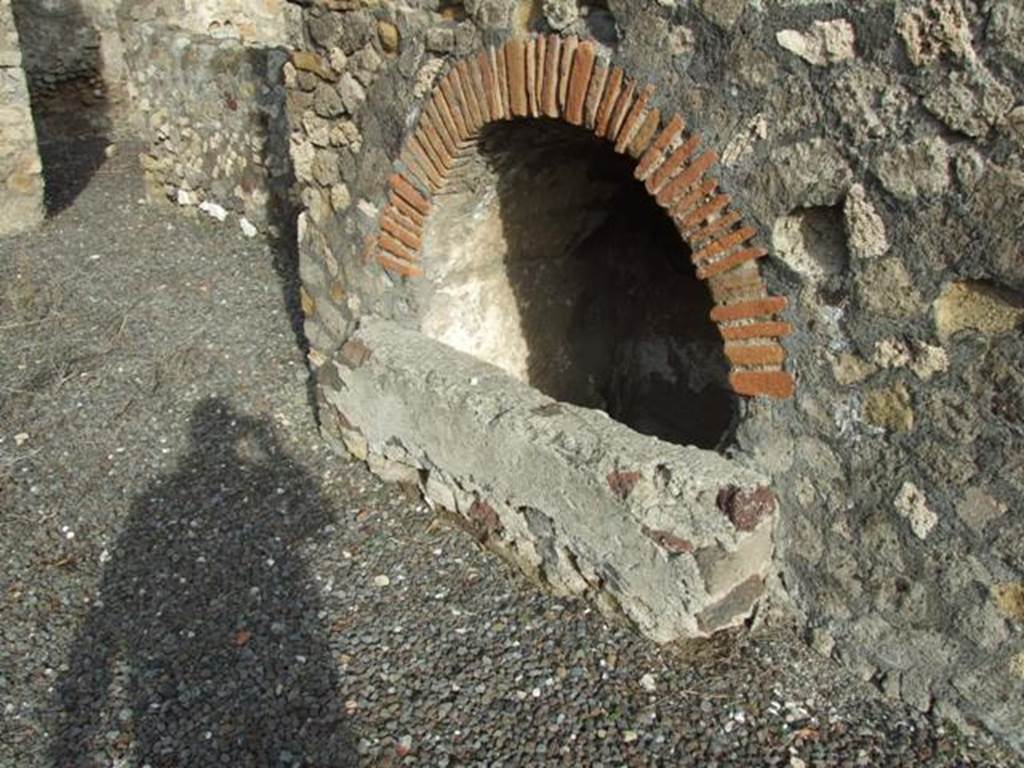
(71, 41)
(879, 146)
(21, 180)
(212, 112)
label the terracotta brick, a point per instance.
(456, 136)
(697, 236)
(743, 283)
(621, 109)
(454, 111)
(457, 101)
(465, 82)
(476, 80)
(413, 165)
(652, 158)
(398, 266)
(633, 120)
(769, 330)
(531, 77)
(437, 132)
(395, 248)
(395, 212)
(667, 540)
(765, 307)
(433, 145)
(537, 104)
(501, 67)
(409, 193)
(515, 59)
(710, 208)
(680, 206)
(435, 176)
(549, 90)
(729, 262)
(755, 354)
(683, 181)
(777, 384)
(723, 244)
(393, 225)
(608, 101)
(483, 66)
(569, 46)
(645, 133)
(594, 94)
(407, 210)
(579, 82)
(664, 173)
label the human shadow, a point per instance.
(203, 646)
(611, 310)
(70, 109)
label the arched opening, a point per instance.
(548, 259)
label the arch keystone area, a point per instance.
(552, 77)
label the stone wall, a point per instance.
(878, 148)
(212, 112)
(253, 22)
(21, 180)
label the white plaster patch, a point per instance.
(827, 42)
(912, 504)
(865, 230)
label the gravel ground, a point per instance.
(192, 579)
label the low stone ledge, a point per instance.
(574, 498)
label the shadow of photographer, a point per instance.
(204, 646)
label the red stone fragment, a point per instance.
(622, 483)
(483, 515)
(671, 543)
(745, 508)
(354, 353)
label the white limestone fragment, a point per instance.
(213, 210)
(865, 231)
(911, 503)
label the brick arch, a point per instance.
(552, 77)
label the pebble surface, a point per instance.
(192, 579)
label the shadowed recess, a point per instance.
(551, 261)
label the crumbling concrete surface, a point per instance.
(675, 538)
